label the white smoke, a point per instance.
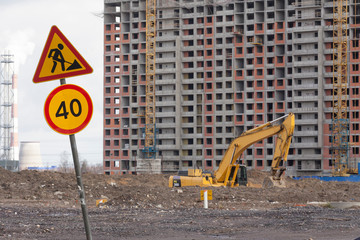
(19, 43)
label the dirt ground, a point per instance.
(44, 205)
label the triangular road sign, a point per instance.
(59, 59)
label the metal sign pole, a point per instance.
(79, 181)
(80, 186)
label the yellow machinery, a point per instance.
(230, 172)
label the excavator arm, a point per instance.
(282, 147)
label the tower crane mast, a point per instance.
(150, 126)
(340, 122)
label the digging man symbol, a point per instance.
(57, 56)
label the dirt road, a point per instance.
(35, 222)
(44, 205)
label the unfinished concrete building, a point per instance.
(223, 67)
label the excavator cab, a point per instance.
(237, 176)
(242, 176)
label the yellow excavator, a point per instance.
(230, 172)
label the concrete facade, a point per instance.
(223, 67)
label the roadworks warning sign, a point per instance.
(59, 59)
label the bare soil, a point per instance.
(44, 205)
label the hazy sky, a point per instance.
(24, 28)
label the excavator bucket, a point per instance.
(277, 180)
(270, 182)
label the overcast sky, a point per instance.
(24, 28)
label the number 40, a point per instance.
(62, 112)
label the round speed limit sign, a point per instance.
(68, 109)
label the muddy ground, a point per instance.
(44, 205)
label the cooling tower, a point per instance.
(30, 156)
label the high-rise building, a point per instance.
(223, 67)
